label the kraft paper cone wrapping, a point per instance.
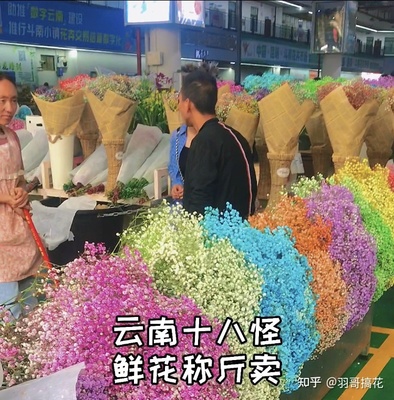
(114, 150)
(87, 131)
(380, 134)
(260, 132)
(174, 118)
(223, 89)
(316, 129)
(87, 125)
(346, 126)
(88, 144)
(243, 122)
(113, 114)
(264, 183)
(280, 167)
(322, 159)
(380, 158)
(282, 119)
(61, 117)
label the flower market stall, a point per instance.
(213, 306)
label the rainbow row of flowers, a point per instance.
(315, 262)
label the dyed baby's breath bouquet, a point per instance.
(174, 118)
(87, 129)
(348, 111)
(113, 99)
(268, 80)
(72, 85)
(51, 95)
(243, 116)
(233, 87)
(224, 105)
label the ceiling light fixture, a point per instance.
(365, 27)
(290, 4)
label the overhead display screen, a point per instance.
(190, 13)
(147, 12)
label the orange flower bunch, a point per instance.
(312, 239)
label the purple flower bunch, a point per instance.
(385, 82)
(261, 93)
(76, 325)
(51, 95)
(351, 245)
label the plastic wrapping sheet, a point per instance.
(35, 150)
(91, 167)
(37, 172)
(25, 137)
(158, 159)
(54, 223)
(58, 386)
(141, 145)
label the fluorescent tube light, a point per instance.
(290, 4)
(365, 27)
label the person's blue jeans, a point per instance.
(9, 292)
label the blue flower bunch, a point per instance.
(286, 287)
(351, 245)
(268, 80)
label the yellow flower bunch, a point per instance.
(373, 184)
(223, 105)
(247, 103)
(171, 98)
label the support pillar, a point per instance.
(332, 65)
(163, 52)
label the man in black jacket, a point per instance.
(220, 166)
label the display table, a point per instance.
(101, 225)
(99, 197)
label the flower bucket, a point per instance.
(61, 151)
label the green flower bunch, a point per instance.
(305, 186)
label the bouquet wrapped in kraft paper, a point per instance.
(380, 136)
(282, 119)
(61, 119)
(223, 89)
(113, 115)
(321, 149)
(346, 126)
(174, 118)
(243, 122)
(264, 181)
(88, 131)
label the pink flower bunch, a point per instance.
(72, 85)
(17, 124)
(233, 87)
(76, 325)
